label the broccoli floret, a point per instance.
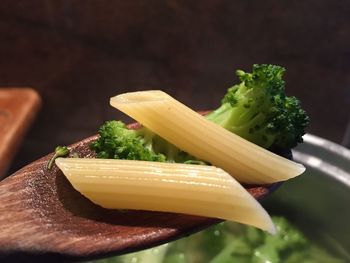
(258, 109)
(116, 141)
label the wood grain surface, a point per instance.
(18, 107)
(43, 219)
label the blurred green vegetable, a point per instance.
(232, 242)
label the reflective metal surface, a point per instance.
(325, 156)
(318, 201)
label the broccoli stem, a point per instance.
(60, 151)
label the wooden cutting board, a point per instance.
(18, 107)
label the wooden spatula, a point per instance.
(18, 107)
(43, 219)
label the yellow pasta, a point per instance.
(181, 188)
(191, 132)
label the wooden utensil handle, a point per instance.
(18, 107)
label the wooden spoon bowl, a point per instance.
(43, 218)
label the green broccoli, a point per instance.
(233, 242)
(258, 110)
(60, 151)
(116, 141)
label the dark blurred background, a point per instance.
(77, 54)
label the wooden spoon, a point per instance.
(44, 219)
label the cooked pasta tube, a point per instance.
(191, 132)
(168, 187)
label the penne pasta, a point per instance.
(168, 187)
(191, 132)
